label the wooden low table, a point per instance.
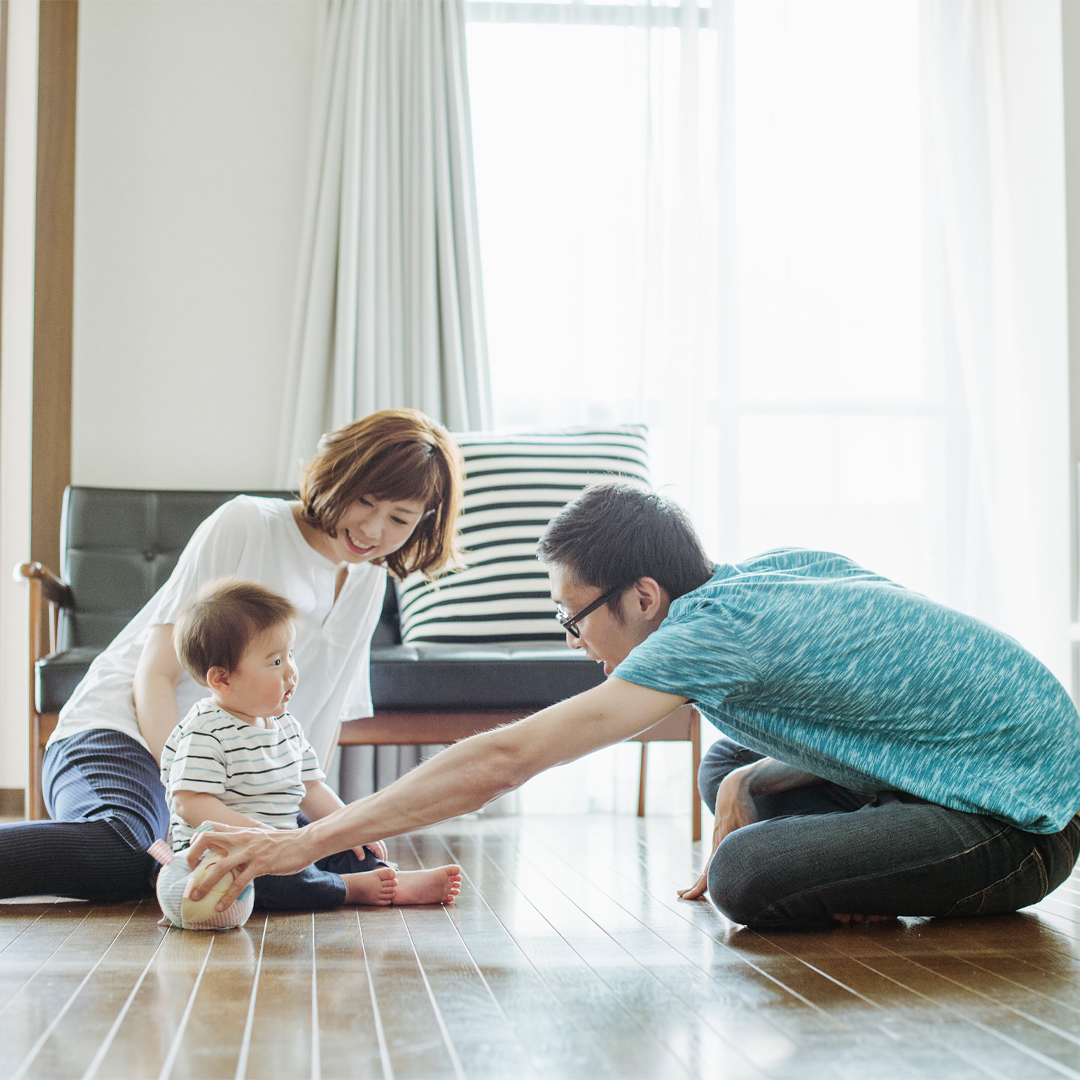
(424, 728)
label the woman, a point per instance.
(381, 492)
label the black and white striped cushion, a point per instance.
(514, 485)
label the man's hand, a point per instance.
(734, 809)
(735, 802)
(461, 779)
(249, 853)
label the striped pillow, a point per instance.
(514, 485)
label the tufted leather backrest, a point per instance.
(118, 546)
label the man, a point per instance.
(894, 756)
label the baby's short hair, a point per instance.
(227, 615)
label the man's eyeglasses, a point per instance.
(569, 622)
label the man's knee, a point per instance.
(739, 882)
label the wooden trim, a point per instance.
(54, 272)
(427, 728)
(422, 728)
(53, 589)
(677, 726)
(4, 33)
(12, 799)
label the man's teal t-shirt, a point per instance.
(809, 658)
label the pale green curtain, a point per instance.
(389, 307)
(389, 303)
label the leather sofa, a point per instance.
(118, 546)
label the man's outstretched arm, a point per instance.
(459, 780)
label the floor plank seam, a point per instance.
(54, 1023)
(249, 1023)
(103, 1049)
(574, 1021)
(483, 979)
(174, 1048)
(459, 1070)
(631, 959)
(33, 975)
(380, 1033)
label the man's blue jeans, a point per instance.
(822, 850)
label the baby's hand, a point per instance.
(376, 846)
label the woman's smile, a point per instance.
(361, 549)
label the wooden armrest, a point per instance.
(52, 588)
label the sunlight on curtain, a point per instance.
(600, 186)
(714, 220)
(836, 416)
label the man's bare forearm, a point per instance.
(466, 776)
(456, 782)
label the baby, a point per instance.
(239, 758)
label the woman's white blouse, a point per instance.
(257, 539)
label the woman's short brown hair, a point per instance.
(393, 454)
(224, 619)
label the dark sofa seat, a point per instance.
(407, 677)
(118, 546)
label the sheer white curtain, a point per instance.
(996, 327)
(389, 303)
(819, 249)
(605, 185)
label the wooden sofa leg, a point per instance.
(695, 752)
(641, 781)
(42, 725)
(35, 804)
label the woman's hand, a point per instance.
(249, 853)
(734, 809)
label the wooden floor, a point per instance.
(567, 955)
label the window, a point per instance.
(716, 228)
(819, 426)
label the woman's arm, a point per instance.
(735, 803)
(156, 678)
(462, 778)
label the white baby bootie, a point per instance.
(175, 882)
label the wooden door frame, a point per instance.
(54, 274)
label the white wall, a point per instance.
(17, 349)
(1070, 35)
(190, 166)
(191, 154)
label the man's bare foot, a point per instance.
(862, 918)
(372, 887)
(438, 886)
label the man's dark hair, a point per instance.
(614, 533)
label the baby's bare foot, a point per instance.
(372, 887)
(438, 886)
